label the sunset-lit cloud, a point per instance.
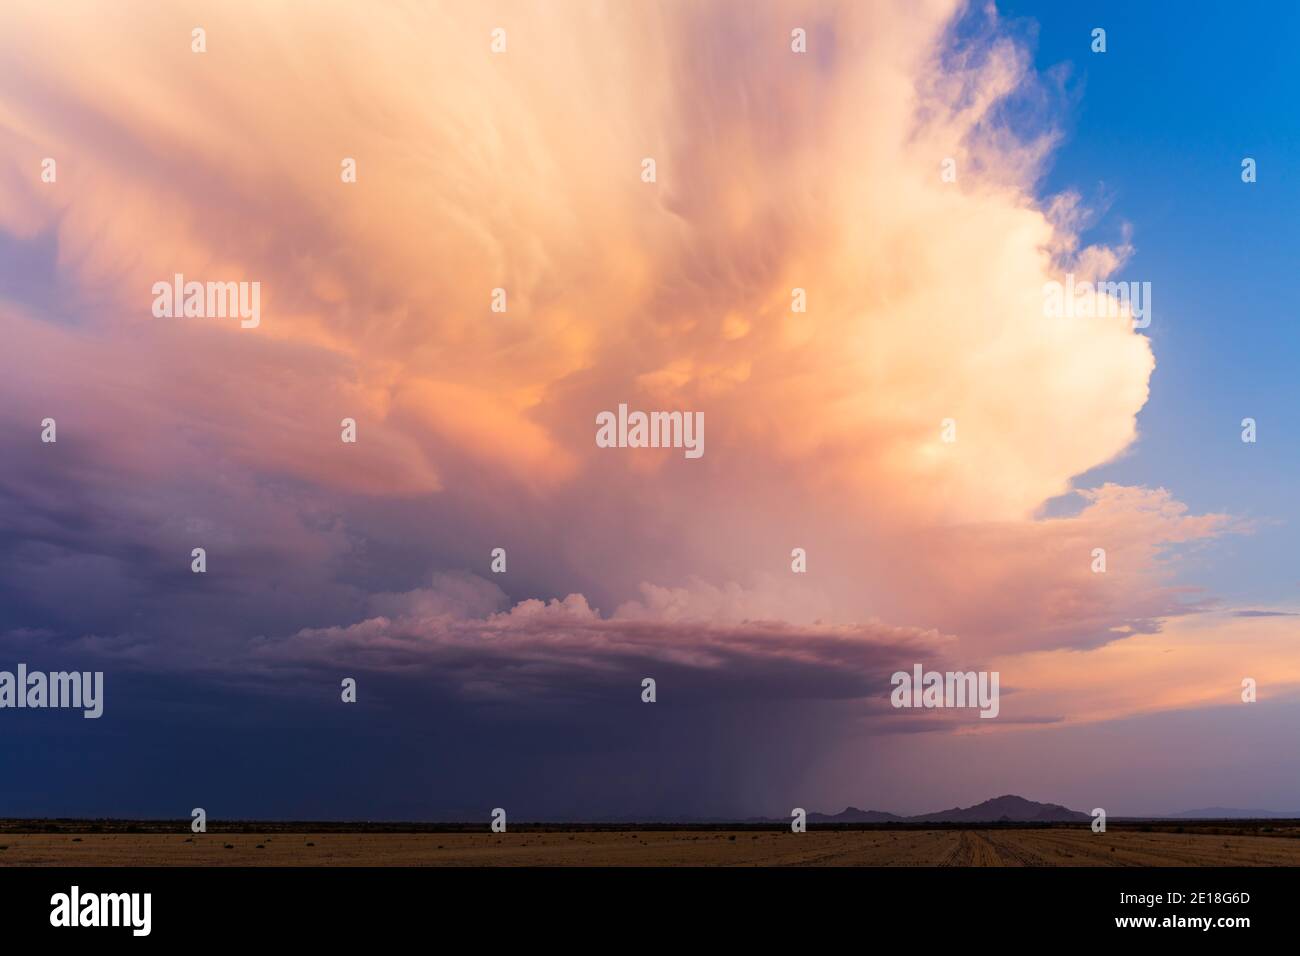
(924, 296)
(1194, 662)
(522, 171)
(561, 647)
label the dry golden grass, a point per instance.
(949, 847)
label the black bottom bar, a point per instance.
(769, 905)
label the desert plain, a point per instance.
(1230, 844)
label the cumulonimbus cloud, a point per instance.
(522, 170)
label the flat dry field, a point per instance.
(952, 847)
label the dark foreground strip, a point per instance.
(794, 906)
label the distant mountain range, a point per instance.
(1005, 809)
(1013, 809)
(854, 815)
(1233, 813)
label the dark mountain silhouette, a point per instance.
(854, 815)
(1004, 809)
(1009, 808)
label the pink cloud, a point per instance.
(555, 648)
(775, 172)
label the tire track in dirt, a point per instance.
(1007, 847)
(1075, 848)
(973, 849)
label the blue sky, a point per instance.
(1154, 138)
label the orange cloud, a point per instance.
(1192, 662)
(521, 171)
